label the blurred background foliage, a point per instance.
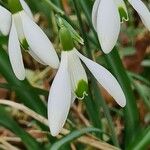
(96, 122)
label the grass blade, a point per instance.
(9, 123)
(73, 135)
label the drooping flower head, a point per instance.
(71, 82)
(24, 32)
(106, 18)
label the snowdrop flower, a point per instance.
(106, 18)
(71, 82)
(24, 32)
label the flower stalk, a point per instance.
(54, 7)
(131, 114)
(97, 92)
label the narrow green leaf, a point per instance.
(140, 78)
(9, 123)
(142, 141)
(23, 89)
(144, 92)
(131, 114)
(38, 91)
(72, 136)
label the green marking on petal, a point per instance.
(123, 14)
(14, 6)
(82, 89)
(24, 44)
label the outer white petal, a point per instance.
(59, 100)
(122, 10)
(5, 21)
(78, 75)
(73, 97)
(35, 57)
(39, 42)
(15, 55)
(94, 13)
(19, 28)
(26, 8)
(108, 24)
(106, 79)
(143, 12)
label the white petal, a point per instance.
(5, 21)
(78, 75)
(15, 55)
(143, 12)
(19, 27)
(35, 57)
(108, 24)
(106, 79)
(39, 42)
(122, 10)
(73, 97)
(94, 13)
(26, 8)
(59, 100)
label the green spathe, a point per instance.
(14, 6)
(66, 39)
(123, 14)
(82, 89)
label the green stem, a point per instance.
(142, 141)
(130, 112)
(82, 29)
(96, 91)
(90, 103)
(113, 60)
(22, 88)
(93, 112)
(103, 104)
(54, 7)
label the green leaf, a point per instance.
(23, 89)
(131, 114)
(142, 141)
(128, 51)
(72, 136)
(144, 92)
(9, 123)
(140, 78)
(38, 91)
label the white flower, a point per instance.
(71, 82)
(106, 18)
(24, 31)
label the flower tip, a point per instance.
(54, 131)
(55, 126)
(56, 64)
(107, 49)
(122, 102)
(107, 46)
(20, 76)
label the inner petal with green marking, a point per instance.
(122, 10)
(79, 82)
(20, 32)
(82, 89)
(123, 14)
